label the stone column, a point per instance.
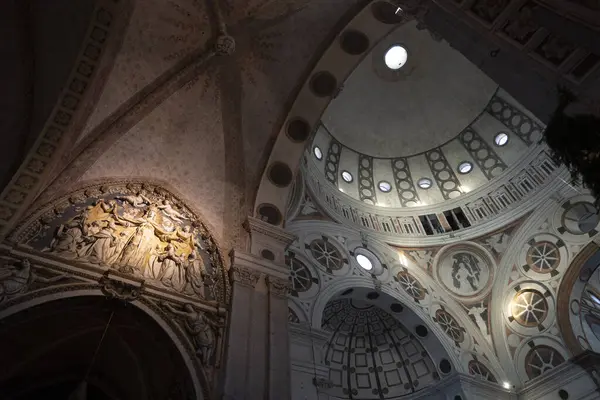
(257, 358)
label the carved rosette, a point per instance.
(245, 276)
(278, 287)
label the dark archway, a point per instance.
(121, 352)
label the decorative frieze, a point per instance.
(245, 276)
(278, 287)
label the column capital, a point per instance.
(245, 276)
(251, 262)
(278, 287)
(268, 241)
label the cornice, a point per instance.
(255, 225)
(303, 332)
(244, 260)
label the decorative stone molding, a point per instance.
(98, 224)
(29, 277)
(70, 112)
(265, 236)
(278, 287)
(257, 264)
(116, 288)
(505, 199)
(245, 276)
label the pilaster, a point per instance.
(257, 360)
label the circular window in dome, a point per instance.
(385, 186)
(529, 308)
(300, 277)
(465, 167)
(580, 218)
(425, 183)
(479, 370)
(501, 139)
(543, 257)
(318, 153)
(541, 359)
(326, 254)
(364, 262)
(347, 176)
(367, 260)
(395, 57)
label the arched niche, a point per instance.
(121, 350)
(360, 289)
(135, 227)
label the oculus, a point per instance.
(543, 257)
(479, 370)
(300, 278)
(411, 285)
(425, 183)
(318, 153)
(347, 176)
(368, 261)
(580, 218)
(542, 359)
(449, 325)
(385, 186)
(465, 167)
(364, 262)
(529, 308)
(501, 139)
(326, 254)
(395, 57)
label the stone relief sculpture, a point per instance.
(137, 231)
(465, 271)
(477, 314)
(498, 243)
(201, 328)
(16, 277)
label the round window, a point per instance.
(465, 167)
(364, 262)
(425, 183)
(318, 153)
(367, 260)
(385, 186)
(347, 176)
(501, 139)
(395, 57)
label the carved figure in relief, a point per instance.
(68, 238)
(201, 328)
(172, 213)
(476, 312)
(136, 238)
(138, 200)
(498, 242)
(171, 271)
(465, 271)
(195, 275)
(422, 257)
(139, 248)
(16, 277)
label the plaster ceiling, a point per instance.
(419, 123)
(426, 103)
(206, 132)
(372, 354)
